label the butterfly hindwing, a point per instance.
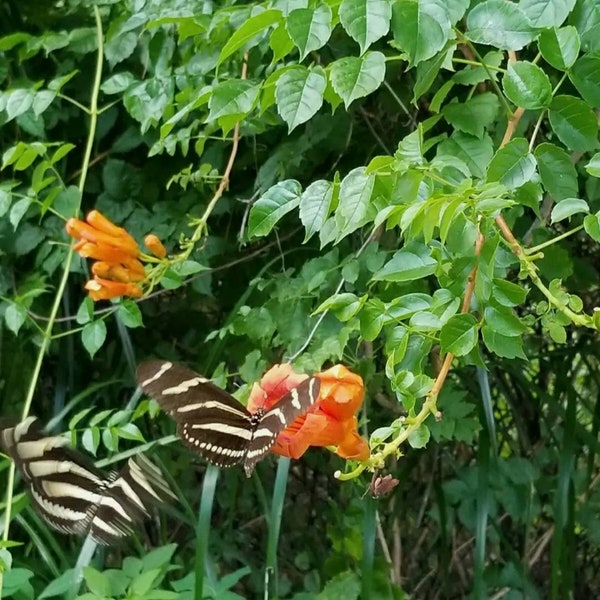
(71, 494)
(295, 403)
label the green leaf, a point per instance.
(280, 42)
(560, 47)
(309, 28)
(344, 585)
(344, 306)
(16, 580)
(356, 190)
(557, 171)
(419, 438)
(354, 77)
(526, 85)
(85, 312)
(473, 116)
(97, 582)
(171, 280)
(502, 345)
(546, 13)
(372, 318)
(459, 335)
(15, 316)
(250, 29)
(272, 206)
(299, 94)
(18, 102)
(475, 153)
(5, 200)
(67, 202)
(189, 267)
(586, 18)
(407, 265)
(585, 76)
(18, 210)
(507, 293)
(591, 224)
(365, 21)
(568, 207)
(512, 165)
(130, 314)
(501, 24)
(504, 320)
(235, 97)
(315, 204)
(60, 586)
(574, 122)
(159, 557)
(420, 29)
(593, 166)
(144, 582)
(93, 336)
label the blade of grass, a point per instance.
(83, 560)
(562, 502)
(209, 487)
(486, 463)
(44, 550)
(274, 520)
(368, 550)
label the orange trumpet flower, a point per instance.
(118, 269)
(330, 422)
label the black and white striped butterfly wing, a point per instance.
(209, 420)
(269, 424)
(71, 494)
(126, 498)
(63, 484)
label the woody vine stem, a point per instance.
(526, 260)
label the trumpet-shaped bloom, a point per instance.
(118, 270)
(105, 289)
(331, 421)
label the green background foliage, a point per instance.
(413, 180)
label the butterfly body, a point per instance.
(212, 422)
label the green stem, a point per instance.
(63, 282)
(562, 236)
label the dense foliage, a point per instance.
(408, 187)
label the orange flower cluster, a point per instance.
(118, 270)
(330, 422)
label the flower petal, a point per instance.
(97, 220)
(275, 384)
(155, 246)
(105, 289)
(82, 231)
(342, 392)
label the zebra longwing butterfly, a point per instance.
(74, 496)
(212, 422)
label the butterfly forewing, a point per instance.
(74, 496)
(295, 403)
(209, 420)
(61, 489)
